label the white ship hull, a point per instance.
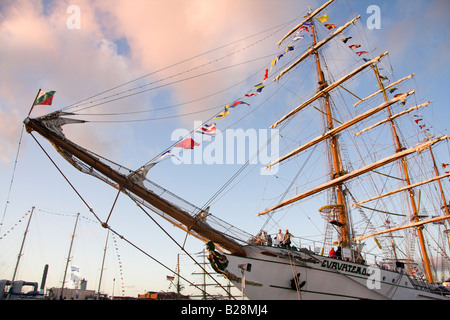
(272, 270)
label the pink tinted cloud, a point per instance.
(163, 33)
(41, 52)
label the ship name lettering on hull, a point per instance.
(341, 266)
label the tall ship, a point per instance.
(358, 154)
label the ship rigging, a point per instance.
(236, 248)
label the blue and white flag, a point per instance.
(208, 129)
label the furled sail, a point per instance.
(309, 17)
(391, 86)
(325, 91)
(402, 189)
(342, 127)
(410, 225)
(395, 116)
(316, 47)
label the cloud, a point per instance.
(41, 52)
(118, 42)
(164, 33)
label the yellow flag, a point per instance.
(222, 114)
(323, 19)
(274, 61)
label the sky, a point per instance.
(104, 47)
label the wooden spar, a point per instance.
(329, 88)
(354, 174)
(410, 225)
(402, 189)
(316, 47)
(381, 90)
(308, 17)
(191, 224)
(342, 127)
(390, 118)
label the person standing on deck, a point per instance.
(287, 239)
(279, 238)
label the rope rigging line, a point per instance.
(112, 230)
(182, 247)
(168, 107)
(176, 105)
(174, 82)
(240, 119)
(240, 170)
(155, 119)
(13, 227)
(83, 102)
(283, 196)
(12, 178)
(222, 189)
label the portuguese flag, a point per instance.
(45, 98)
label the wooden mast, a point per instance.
(337, 167)
(445, 207)
(68, 258)
(21, 247)
(404, 166)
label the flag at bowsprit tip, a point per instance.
(187, 143)
(45, 98)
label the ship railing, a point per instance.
(419, 284)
